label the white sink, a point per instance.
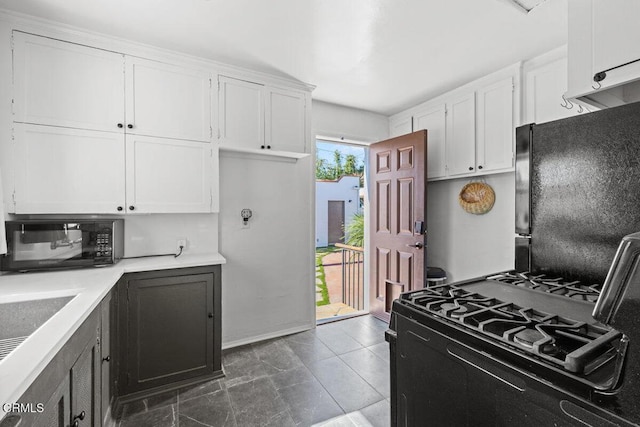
(20, 319)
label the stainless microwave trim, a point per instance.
(12, 262)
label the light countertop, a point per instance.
(89, 285)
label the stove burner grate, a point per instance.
(576, 346)
(553, 285)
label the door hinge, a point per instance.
(12, 42)
(13, 199)
(210, 84)
(218, 85)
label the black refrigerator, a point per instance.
(577, 192)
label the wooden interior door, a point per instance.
(398, 199)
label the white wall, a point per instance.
(467, 245)
(337, 121)
(268, 281)
(347, 189)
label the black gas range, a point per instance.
(508, 349)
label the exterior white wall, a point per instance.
(347, 189)
(268, 281)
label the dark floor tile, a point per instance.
(336, 339)
(213, 410)
(344, 385)
(374, 323)
(196, 390)
(382, 351)
(165, 416)
(308, 347)
(241, 365)
(309, 403)
(342, 421)
(257, 403)
(292, 377)
(363, 332)
(276, 356)
(149, 403)
(378, 414)
(373, 369)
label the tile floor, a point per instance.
(335, 375)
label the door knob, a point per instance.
(416, 245)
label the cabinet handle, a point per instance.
(106, 359)
(268, 147)
(76, 423)
(130, 126)
(470, 168)
(120, 208)
(479, 167)
(131, 207)
(262, 146)
(78, 417)
(210, 315)
(120, 125)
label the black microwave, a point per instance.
(56, 244)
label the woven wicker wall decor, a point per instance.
(477, 198)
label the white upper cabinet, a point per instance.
(64, 170)
(603, 40)
(167, 175)
(285, 122)
(400, 125)
(545, 86)
(470, 130)
(461, 135)
(75, 139)
(495, 130)
(254, 116)
(241, 113)
(167, 101)
(65, 84)
(616, 32)
(433, 119)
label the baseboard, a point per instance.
(271, 335)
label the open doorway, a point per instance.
(340, 230)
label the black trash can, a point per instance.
(435, 276)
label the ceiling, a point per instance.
(377, 55)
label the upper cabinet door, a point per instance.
(434, 121)
(241, 113)
(168, 176)
(544, 88)
(66, 170)
(65, 84)
(285, 121)
(615, 33)
(461, 135)
(168, 101)
(495, 126)
(400, 125)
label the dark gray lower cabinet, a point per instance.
(70, 385)
(169, 324)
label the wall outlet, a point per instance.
(181, 244)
